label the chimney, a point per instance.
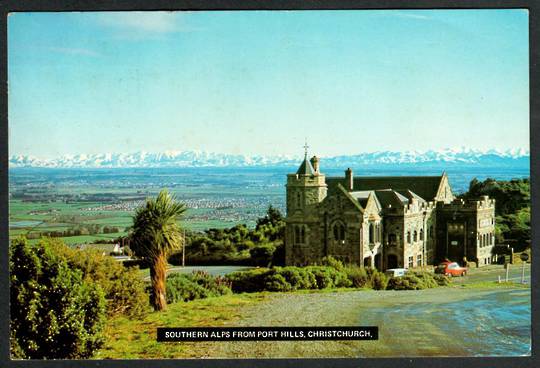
(315, 163)
(349, 179)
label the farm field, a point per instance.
(44, 200)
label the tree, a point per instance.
(55, 313)
(273, 216)
(155, 234)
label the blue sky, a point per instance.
(261, 82)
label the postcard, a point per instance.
(269, 184)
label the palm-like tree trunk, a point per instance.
(155, 234)
(158, 270)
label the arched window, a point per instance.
(371, 233)
(415, 236)
(296, 234)
(392, 239)
(421, 234)
(408, 237)
(339, 232)
(298, 199)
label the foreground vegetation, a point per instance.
(127, 338)
(61, 298)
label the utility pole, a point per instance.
(183, 248)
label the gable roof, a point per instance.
(390, 197)
(424, 186)
(410, 195)
(306, 168)
(348, 195)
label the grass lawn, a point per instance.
(393, 311)
(136, 338)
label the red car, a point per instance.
(451, 269)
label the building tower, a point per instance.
(305, 190)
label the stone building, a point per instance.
(383, 222)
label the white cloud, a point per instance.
(151, 22)
(407, 14)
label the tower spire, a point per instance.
(305, 149)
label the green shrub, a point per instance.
(441, 280)
(299, 278)
(216, 285)
(427, 279)
(248, 281)
(123, 287)
(55, 312)
(276, 282)
(358, 276)
(181, 289)
(328, 277)
(198, 285)
(416, 281)
(332, 262)
(262, 255)
(407, 282)
(379, 281)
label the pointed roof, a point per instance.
(410, 195)
(425, 187)
(348, 195)
(306, 168)
(389, 197)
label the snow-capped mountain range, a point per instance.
(459, 156)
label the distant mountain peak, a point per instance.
(173, 158)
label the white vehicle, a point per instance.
(395, 272)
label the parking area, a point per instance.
(492, 272)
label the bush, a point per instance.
(299, 278)
(262, 255)
(416, 281)
(358, 276)
(198, 285)
(123, 287)
(441, 280)
(248, 281)
(379, 281)
(328, 277)
(55, 312)
(216, 285)
(332, 262)
(426, 279)
(276, 282)
(181, 289)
